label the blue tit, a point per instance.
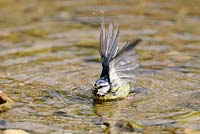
(118, 65)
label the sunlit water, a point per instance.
(49, 59)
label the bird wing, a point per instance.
(123, 65)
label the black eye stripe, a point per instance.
(101, 86)
(104, 86)
(97, 87)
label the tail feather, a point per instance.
(109, 41)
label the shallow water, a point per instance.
(49, 59)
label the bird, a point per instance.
(119, 65)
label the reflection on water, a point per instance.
(49, 60)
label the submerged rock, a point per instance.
(14, 131)
(5, 102)
(130, 126)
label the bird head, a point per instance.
(101, 87)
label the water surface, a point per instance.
(49, 59)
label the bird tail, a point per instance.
(109, 41)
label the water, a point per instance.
(49, 59)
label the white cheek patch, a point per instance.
(103, 91)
